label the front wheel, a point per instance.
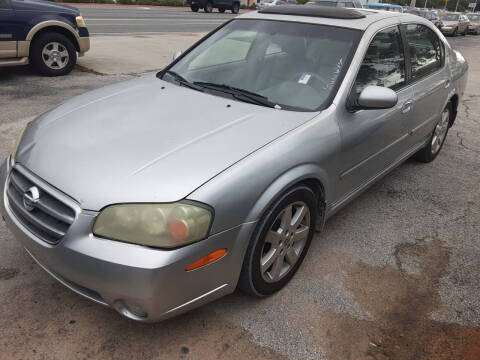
(235, 8)
(208, 7)
(53, 54)
(221, 10)
(465, 32)
(194, 8)
(455, 32)
(280, 242)
(430, 152)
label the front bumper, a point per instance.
(447, 30)
(118, 274)
(83, 45)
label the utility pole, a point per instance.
(456, 5)
(426, 2)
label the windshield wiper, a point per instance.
(240, 94)
(182, 81)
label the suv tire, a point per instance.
(194, 8)
(208, 7)
(53, 54)
(235, 8)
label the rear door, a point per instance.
(373, 139)
(429, 80)
(8, 43)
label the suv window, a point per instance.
(3, 4)
(384, 63)
(426, 51)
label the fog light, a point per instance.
(130, 309)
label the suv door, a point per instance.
(8, 43)
(429, 79)
(373, 139)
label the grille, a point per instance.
(49, 219)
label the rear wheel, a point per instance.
(208, 7)
(465, 32)
(194, 8)
(221, 10)
(53, 54)
(235, 8)
(280, 242)
(430, 152)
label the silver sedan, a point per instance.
(157, 195)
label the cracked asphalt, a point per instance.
(394, 275)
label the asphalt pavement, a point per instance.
(394, 275)
(115, 20)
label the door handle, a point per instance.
(407, 106)
(447, 84)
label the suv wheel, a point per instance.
(280, 242)
(235, 8)
(194, 8)
(208, 7)
(221, 10)
(53, 54)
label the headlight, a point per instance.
(80, 22)
(17, 142)
(157, 225)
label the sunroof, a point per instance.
(313, 10)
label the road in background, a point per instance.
(113, 20)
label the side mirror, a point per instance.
(176, 55)
(377, 97)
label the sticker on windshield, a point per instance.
(304, 78)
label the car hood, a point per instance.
(145, 140)
(49, 6)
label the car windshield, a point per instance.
(293, 66)
(473, 17)
(451, 17)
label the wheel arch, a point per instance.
(454, 99)
(54, 26)
(310, 175)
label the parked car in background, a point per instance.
(455, 23)
(209, 5)
(429, 15)
(474, 26)
(293, 111)
(385, 7)
(45, 34)
(339, 3)
(266, 3)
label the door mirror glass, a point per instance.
(377, 97)
(176, 55)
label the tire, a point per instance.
(208, 7)
(435, 144)
(194, 8)
(47, 52)
(235, 8)
(455, 32)
(465, 32)
(277, 251)
(221, 10)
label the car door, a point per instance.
(8, 43)
(429, 79)
(373, 139)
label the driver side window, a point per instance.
(384, 62)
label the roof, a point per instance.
(314, 11)
(312, 14)
(383, 5)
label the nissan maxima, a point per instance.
(156, 195)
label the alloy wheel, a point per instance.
(285, 241)
(440, 131)
(55, 55)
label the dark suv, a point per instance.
(209, 5)
(45, 34)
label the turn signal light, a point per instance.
(213, 256)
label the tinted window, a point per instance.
(451, 17)
(384, 63)
(425, 50)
